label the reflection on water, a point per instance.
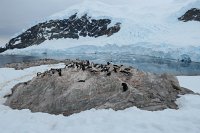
(5, 59)
(145, 63)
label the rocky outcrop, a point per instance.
(28, 64)
(83, 85)
(185, 59)
(2, 49)
(73, 27)
(192, 14)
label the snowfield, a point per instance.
(184, 120)
(152, 28)
(192, 82)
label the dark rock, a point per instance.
(108, 74)
(81, 81)
(191, 15)
(2, 50)
(185, 59)
(73, 27)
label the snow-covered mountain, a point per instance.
(192, 14)
(72, 27)
(157, 28)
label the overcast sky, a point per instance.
(18, 14)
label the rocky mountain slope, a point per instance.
(148, 27)
(192, 14)
(73, 27)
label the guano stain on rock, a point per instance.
(78, 90)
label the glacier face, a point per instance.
(147, 28)
(164, 51)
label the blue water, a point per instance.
(144, 63)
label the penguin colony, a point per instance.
(86, 65)
(89, 66)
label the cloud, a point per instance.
(18, 14)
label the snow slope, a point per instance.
(142, 21)
(190, 82)
(152, 24)
(184, 120)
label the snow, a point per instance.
(10, 77)
(17, 42)
(190, 82)
(130, 120)
(150, 24)
(153, 25)
(157, 50)
(142, 21)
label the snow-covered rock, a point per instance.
(185, 59)
(73, 27)
(192, 14)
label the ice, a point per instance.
(148, 28)
(67, 46)
(184, 120)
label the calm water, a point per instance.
(145, 63)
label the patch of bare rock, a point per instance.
(28, 64)
(83, 85)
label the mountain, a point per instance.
(157, 26)
(192, 14)
(73, 28)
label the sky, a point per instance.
(16, 15)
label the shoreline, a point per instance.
(47, 61)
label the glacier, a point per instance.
(147, 28)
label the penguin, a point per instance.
(127, 69)
(125, 87)
(108, 74)
(83, 67)
(115, 69)
(87, 62)
(39, 73)
(125, 72)
(59, 72)
(81, 81)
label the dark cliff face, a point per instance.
(191, 15)
(73, 27)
